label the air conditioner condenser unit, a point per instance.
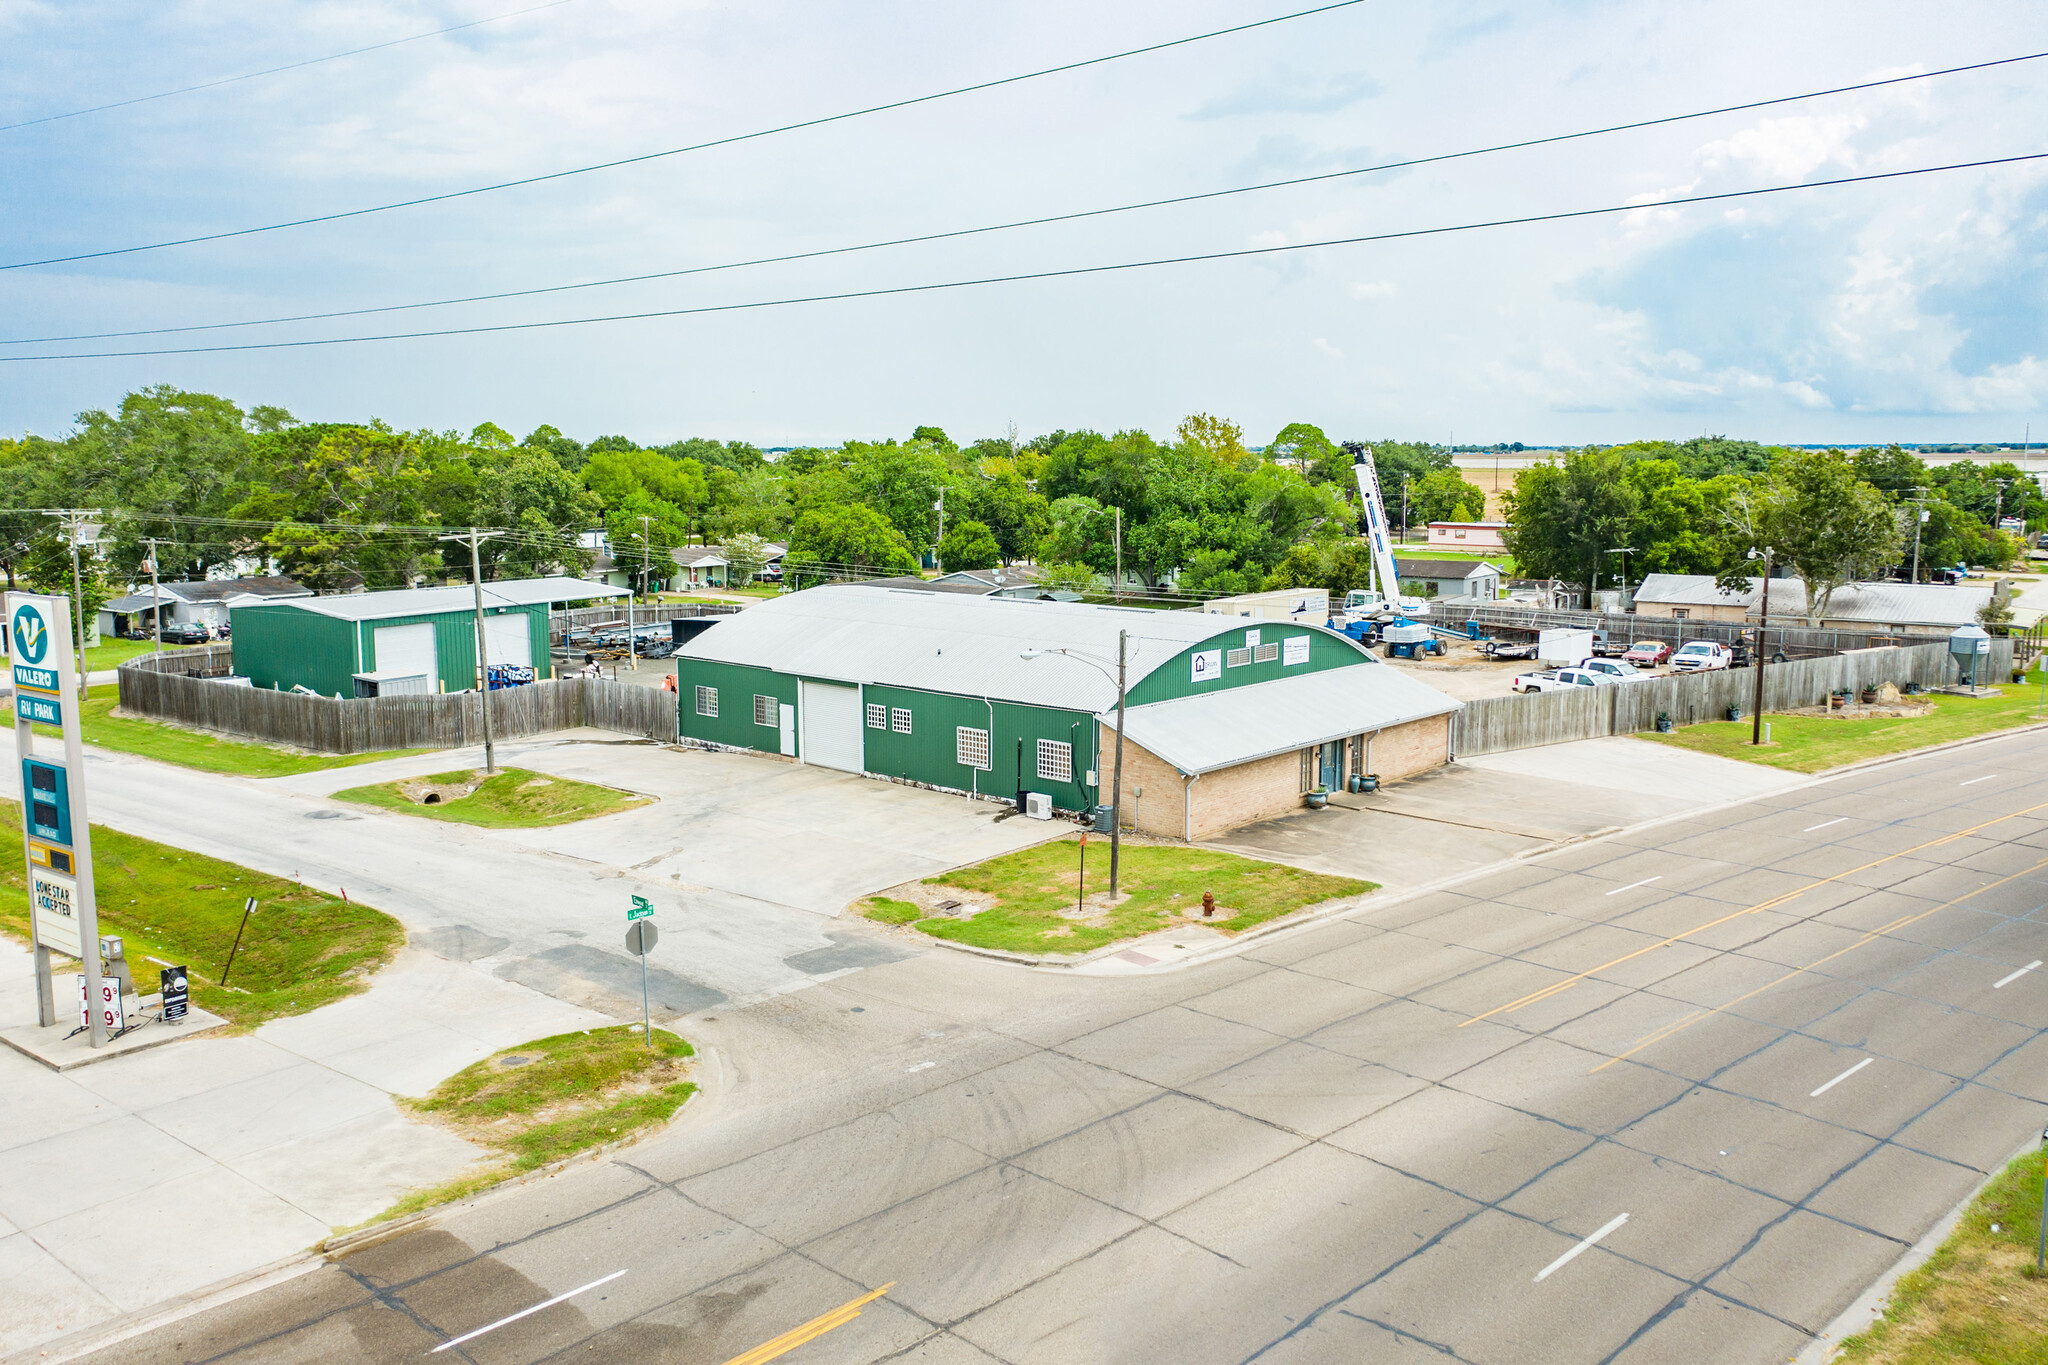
(1038, 805)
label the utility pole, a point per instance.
(75, 521)
(474, 539)
(1118, 589)
(1763, 621)
(632, 636)
(1116, 806)
(941, 505)
(156, 601)
(1404, 507)
(1919, 519)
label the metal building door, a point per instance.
(789, 729)
(832, 726)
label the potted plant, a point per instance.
(1663, 722)
(1317, 798)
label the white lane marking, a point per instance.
(1975, 780)
(921, 1066)
(1566, 1259)
(1633, 885)
(2008, 980)
(1824, 824)
(1839, 1079)
(526, 1312)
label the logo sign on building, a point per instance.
(1207, 664)
(53, 902)
(1293, 650)
(175, 983)
(29, 637)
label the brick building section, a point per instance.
(1158, 800)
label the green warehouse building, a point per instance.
(412, 640)
(1226, 722)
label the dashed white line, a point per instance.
(1839, 1079)
(2008, 980)
(1975, 780)
(1633, 885)
(1824, 824)
(1566, 1259)
(526, 1312)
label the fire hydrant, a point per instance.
(1208, 905)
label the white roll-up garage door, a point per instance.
(831, 725)
(508, 640)
(406, 649)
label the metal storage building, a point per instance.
(1226, 722)
(323, 643)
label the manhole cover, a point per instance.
(325, 815)
(949, 905)
(514, 1061)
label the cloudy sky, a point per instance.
(1908, 309)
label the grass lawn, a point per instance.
(1811, 744)
(195, 749)
(1030, 895)
(110, 653)
(511, 798)
(1976, 1301)
(303, 948)
(554, 1097)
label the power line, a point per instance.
(274, 70)
(1035, 222)
(693, 147)
(1070, 272)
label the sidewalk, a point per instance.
(130, 1181)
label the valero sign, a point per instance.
(29, 635)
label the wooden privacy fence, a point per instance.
(1496, 724)
(1793, 641)
(335, 725)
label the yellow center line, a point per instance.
(1882, 931)
(816, 1327)
(1558, 987)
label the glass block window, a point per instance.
(878, 716)
(764, 710)
(707, 701)
(899, 720)
(1265, 654)
(1055, 760)
(970, 747)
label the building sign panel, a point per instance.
(1208, 663)
(38, 709)
(53, 901)
(1293, 650)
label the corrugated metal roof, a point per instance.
(1903, 604)
(522, 592)
(1698, 590)
(1449, 570)
(1220, 729)
(946, 642)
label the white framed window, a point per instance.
(970, 747)
(1680, 613)
(899, 720)
(764, 710)
(1055, 760)
(707, 701)
(1265, 654)
(1237, 658)
(878, 716)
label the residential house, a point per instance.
(206, 602)
(1451, 577)
(1918, 607)
(1468, 535)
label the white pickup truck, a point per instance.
(1700, 656)
(1611, 669)
(1554, 679)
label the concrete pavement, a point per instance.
(1669, 1096)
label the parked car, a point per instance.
(184, 633)
(1647, 653)
(1608, 668)
(1700, 656)
(1554, 679)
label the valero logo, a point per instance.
(31, 635)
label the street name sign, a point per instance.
(641, 909)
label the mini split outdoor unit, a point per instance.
(1038, 805)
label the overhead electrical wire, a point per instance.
(644, 157)
(1244, 253)
(275, 70)
(1377, 168)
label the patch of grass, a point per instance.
(1032, 887)
(570, 1093)
(303, 948)
(1976, 1301)
(1811, 744)
(511, 798)
(197, 749)
(891, 912)
(110, 653)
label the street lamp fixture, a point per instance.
(1116, 813)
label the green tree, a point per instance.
(1078, 532)
(1069, 578)
(746, 554)
(644, 549)
(1820, 520)
(969, 545)
(46, 568)
(832, 542)
(1303, 446)
(1018, 514)
(1220, 440)
(1438, 495)
(1564, 516)
(1894, 472)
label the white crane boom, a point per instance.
(1389, 584)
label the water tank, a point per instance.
(1970, 647)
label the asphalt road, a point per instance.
(1675, 1096)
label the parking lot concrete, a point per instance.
(1675, 1094)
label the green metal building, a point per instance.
(413, 640)
(997, 697)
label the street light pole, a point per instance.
(75, 520)
(1763, 620)
(632, 639)
(1919, 519)
(475, 539)
(1116, 800)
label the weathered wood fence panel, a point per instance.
(1496, 724)
(1784, 636)
(630, 709)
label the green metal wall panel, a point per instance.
(1175, 677)
(738, 685)
(930, 752)
(278, 645)
(455, 641)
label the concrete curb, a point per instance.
(1865, 1309)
